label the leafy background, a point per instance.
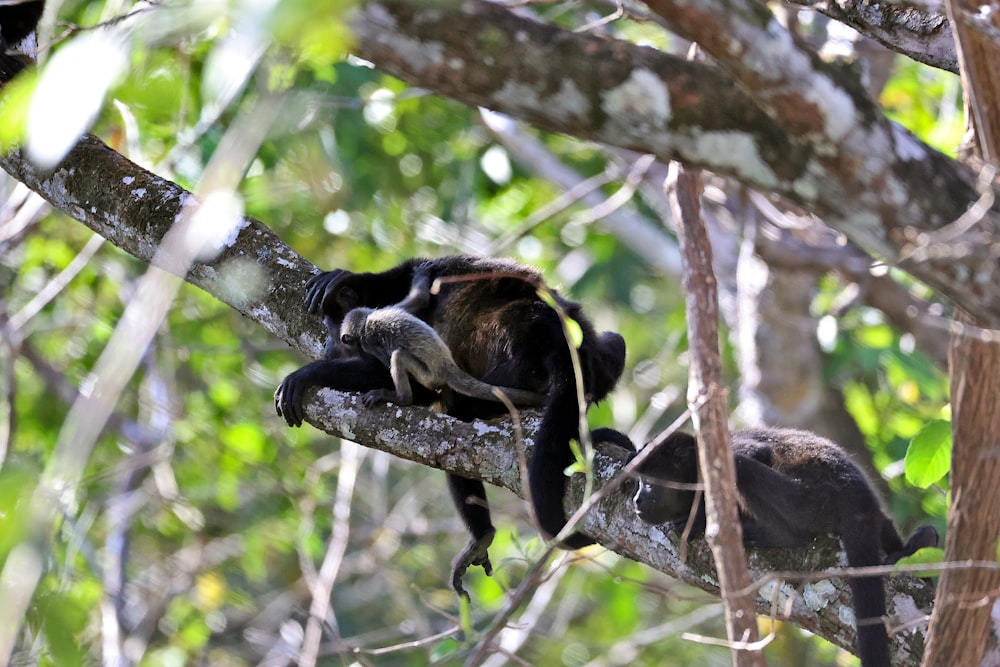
(360, 171)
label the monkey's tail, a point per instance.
(862, 547)
(551, 457)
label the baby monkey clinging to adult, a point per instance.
(793, 486)
(410, 347)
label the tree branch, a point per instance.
(918, 30)
(488, 451)
(828, 148)
(709, 409)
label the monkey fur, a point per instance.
(793, 486)
(409, 347)
(17, 21)
(499, 331)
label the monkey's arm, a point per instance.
(401, 365)
(349, 289)
(419, 296)
(353, 374)
(782, 512)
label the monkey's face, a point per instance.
(351, 331)
(667, 480)
(338, 303)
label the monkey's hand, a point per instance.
(328, 283)
(375, 396)
(476, 552)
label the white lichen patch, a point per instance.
(569, 103)
(128, 180)
(846, 615)
(777, 593)
(518, 96)
(139, 193)
(819, 594)
(908, 614)
(419, 55)
(806, 187)
(380, 16)
(774, 56)
(908, 147)
(836, 105)
(484, 428)
(735, 152)
(640, 104)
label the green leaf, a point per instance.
(575, 332)
(445, 649)
(579, 460)
(925, 556)
(15, 98)
(928, 458)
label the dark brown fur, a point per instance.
(793, 486)
(500, 331)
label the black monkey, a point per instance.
(500, 331)
(793, 486)
(17, 21)
(409, 347)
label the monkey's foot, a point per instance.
(476, 552)
(924, 536)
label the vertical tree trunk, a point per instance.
(707, 398)
(966, 596)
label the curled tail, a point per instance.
(868, 593)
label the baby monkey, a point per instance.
(410, 347)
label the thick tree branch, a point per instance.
(488, 451)
(828, 148)
(918, 30)
(134, 208)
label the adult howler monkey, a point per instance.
(499, 331)
(409, 347)
(793, 486)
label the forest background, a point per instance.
(200, 529)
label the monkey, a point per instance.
(408, 346)
(500, 331)
(792, 486)
(17, 21)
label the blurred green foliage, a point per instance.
(361, 172)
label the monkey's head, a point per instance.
(352, 328)
(340, 299)
(667, 480)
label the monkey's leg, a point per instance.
(924, 536)
(400, 364)
(469, 496)
(784, 512)
(419, 296)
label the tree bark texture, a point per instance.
(707, 399)
(967, 598)
(826, 147)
